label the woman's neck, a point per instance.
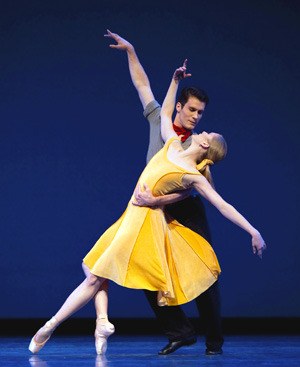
(192, 156)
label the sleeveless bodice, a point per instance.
(162, 175)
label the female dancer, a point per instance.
(146, 250)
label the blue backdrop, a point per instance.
(65, 95)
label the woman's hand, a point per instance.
(180, 73)
(258, 244)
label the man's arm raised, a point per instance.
(138, 76)
(141, 82)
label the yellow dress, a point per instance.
(144, 249)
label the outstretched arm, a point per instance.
(138, 76)
(168, 105)
(228, 211)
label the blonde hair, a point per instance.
(216, 152)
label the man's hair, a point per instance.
(188, 92)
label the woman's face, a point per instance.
(203, 138)
(214, 141)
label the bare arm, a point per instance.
(228, 211)
(138, 76)
(145, 197)
(141, 82)
(168, 105)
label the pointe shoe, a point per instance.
(103, 330)
(34, 346)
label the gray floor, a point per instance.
(131, 351)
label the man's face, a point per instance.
(190, 114)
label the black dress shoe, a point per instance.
(172, 346)
(213, 352)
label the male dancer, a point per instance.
(184, 207)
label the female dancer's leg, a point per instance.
(76, 300)
(103, 327)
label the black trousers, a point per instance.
(173, 321)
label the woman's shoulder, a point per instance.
(192, 177)
(174, 141)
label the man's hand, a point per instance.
(180, 73)
(258, 244)
(138, 76)
(122, 44)
(144, 197)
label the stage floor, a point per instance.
(141, 351)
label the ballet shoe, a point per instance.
(103, 330)
(34, 346)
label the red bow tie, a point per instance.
(182, 131)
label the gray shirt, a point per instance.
(152, 114)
